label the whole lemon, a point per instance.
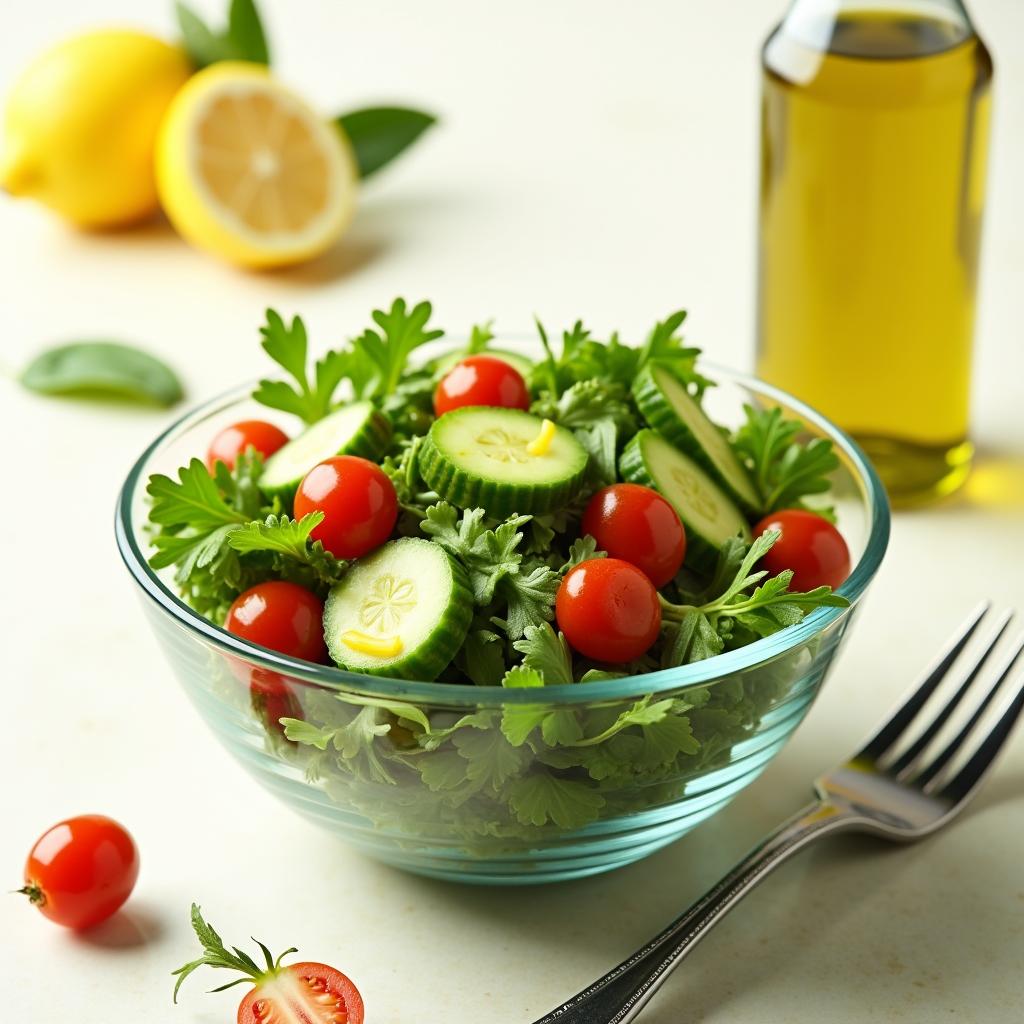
(81, 126)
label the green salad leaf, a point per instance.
(287, 344)
(785, 470)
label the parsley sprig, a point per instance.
(700, 631)
(217, 955)
(785, 471)
(308, 398)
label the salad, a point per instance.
(481, 518)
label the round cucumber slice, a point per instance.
(709, 515)
(402, 611)
(514, 359)
(481, 457)
(670, 409)
(355, 429)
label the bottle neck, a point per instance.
(812, 23)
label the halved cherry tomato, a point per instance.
(481, 380)
(638, 525)
(810, 545)
(239, 437)
(608, 610)
(82, 870)
(358, 502)
(282, 616)
(310, 993)
(303, 992)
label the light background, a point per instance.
(595, 160)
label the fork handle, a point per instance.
(618, 997)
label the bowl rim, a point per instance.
(699, 673)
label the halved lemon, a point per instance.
(250, 172)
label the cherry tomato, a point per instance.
(481, 380)
(239, 437)
(314, 992)
(80, 871)
(272, 699)
(358, 502)
(639, 526)
(608, 610)
(282, 616)
(810, 545)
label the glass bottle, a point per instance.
(875, 121)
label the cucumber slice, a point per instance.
(670, 409)
(479, 457)
(514, 359)
(356, 429)
(402, 611)
(709, 515)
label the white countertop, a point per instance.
(595, 160)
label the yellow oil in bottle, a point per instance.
(874, 139)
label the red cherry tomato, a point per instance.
(80, 871)
(358, 502)
(272, 699)
(481, 380)
(282, 616)
(239, 437)
(608, 610)
(639, 526)
(314, 992)
(810, 545)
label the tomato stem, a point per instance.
(35, 894)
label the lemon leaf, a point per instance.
(379, 134)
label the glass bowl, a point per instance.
(422, 775)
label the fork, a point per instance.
(899, 796)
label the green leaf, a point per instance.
(482, 657)
(287, 345)
(539, 798)
(443, 769)
(202, 44)
(784, 470)
(102, 369)
(305, 732)
(492, 760)
(530, 598)
(245, 32)
(581, 550)
(377, 358)
(522, 676)
(278, 533)
(519, 720)
(547, 654)
(379, 134)
(487, 555)
(193, 500)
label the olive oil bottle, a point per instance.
(875, 121)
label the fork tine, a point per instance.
(897, 723)
(906, 760)
(973, 773)
(950, 750)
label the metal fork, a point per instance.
(897, 796)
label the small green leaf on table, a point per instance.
(103, 369)
(379, 134)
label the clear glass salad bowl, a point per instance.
(423, 776)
